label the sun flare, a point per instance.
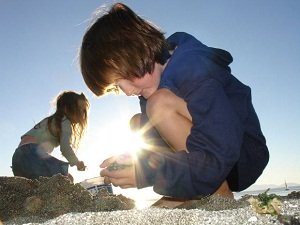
(110, 139)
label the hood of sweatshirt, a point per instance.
(219, 56)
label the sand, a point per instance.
(57, 201)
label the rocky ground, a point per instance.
(47, 198)
(36, 201)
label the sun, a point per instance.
(120, 139)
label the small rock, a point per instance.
(33, 204)
(252, 219)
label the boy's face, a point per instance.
(144, 86)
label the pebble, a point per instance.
(252, 219)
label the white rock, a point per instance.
(252, 219)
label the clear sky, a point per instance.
(39, 42)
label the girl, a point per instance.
(65, 128)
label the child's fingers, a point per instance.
(107, 162)
(123, 182)
(124, 178)
(107, 180)
(116, 173)
(127, 186)
(81, 168)
(124, 159)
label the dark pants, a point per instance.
(31, 161)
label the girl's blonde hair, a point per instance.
(75, 108)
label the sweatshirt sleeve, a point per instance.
(65, 142)
(213, 145)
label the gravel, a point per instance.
(56, 200)
(246, 215)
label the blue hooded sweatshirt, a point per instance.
(226, 141)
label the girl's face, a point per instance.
(144, 86)
(82, 106)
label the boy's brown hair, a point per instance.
(119, 45)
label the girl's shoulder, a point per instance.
(42, 123)
(65, 121)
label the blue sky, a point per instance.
(39, 42)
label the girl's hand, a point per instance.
(80, 166)
(119, 170)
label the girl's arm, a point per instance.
(65, 143)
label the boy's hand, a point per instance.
(119, 170)
(80, 166)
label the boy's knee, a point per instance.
(161, 101)
(135, 122)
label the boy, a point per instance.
(206, 135)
